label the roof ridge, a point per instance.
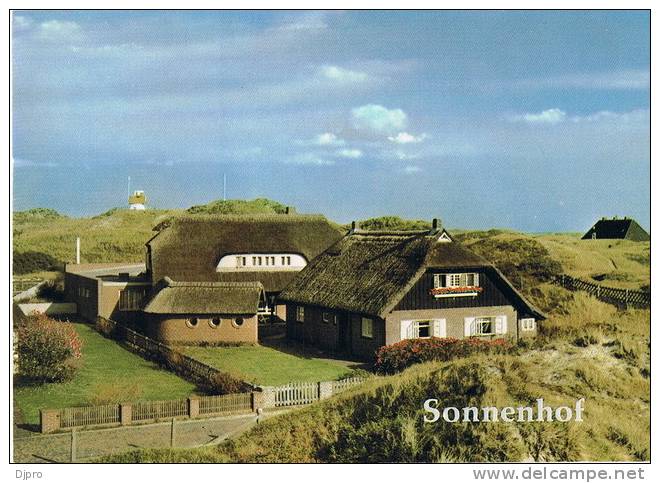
(219, 284)
(280, 217)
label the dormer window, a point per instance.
(456, 285)
(261, 261)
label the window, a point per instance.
(300, 314)
(131, 299)
(241, 261)
(192, 322)
(484, 326)
(238, 321)
(528, 324)
(326, 317)
(454, 280)
(422, 329)
(215, 322)
(367, 327)
(267, 261)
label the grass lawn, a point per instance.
(104, 364)
(267, 366)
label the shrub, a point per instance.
(225, 383)
(47, 349)
(396, 357)
(114, 393)
(31, 261)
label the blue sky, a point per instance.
(537, 121)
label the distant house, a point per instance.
(376, 288)
(270, 249)
(111, 290)
(617, 228)
(183, 312)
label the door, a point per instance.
(343, 333)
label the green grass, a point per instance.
(105, 365)
(267, 366)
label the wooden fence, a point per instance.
(87, 416)
(293, 394)
(615, 296)
(226, 404)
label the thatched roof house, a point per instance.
(383, 278)
(194, 312)
(617, 228)
(191, 248)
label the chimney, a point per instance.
(355, 226)
(77, 250)
(435, 224)
(286, 210)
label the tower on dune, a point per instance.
(137, 200)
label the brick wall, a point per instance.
(170, 329)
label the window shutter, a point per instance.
(440, 328)
(500, 324)
(468, 326)
(445, 279)
(437, 282)
(463, 280)
(406, 329)
(476, 280)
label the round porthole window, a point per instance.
(215, 322)
(192, 322)
(238, 321)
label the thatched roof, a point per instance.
(369, 273)
(616, 228)
(190, 247)
(204, 298)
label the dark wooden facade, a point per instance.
(341, 333)
(418, 297)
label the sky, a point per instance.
(535, 121)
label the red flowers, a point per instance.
(452, 290)
(396, 357)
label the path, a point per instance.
(101, 442)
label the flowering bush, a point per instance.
(396, 357)
(451, 290)
(47, 349)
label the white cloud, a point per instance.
(549, 116)
(627, 79)
(341, 75)
(308, 21)
(350, 153)
(328, 139)
(412, 169)
(310, 158)
(26, 163)
(60, 30)
(378, 118)
(21, 23)
(406, 138)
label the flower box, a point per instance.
(440, 292)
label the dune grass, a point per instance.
(107, 370)
(589, 350)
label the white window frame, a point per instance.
(528, 324)
(367, 328)
(300, 314)
(325, 316)
(451, 279)
(479, 321)
(416, 327)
